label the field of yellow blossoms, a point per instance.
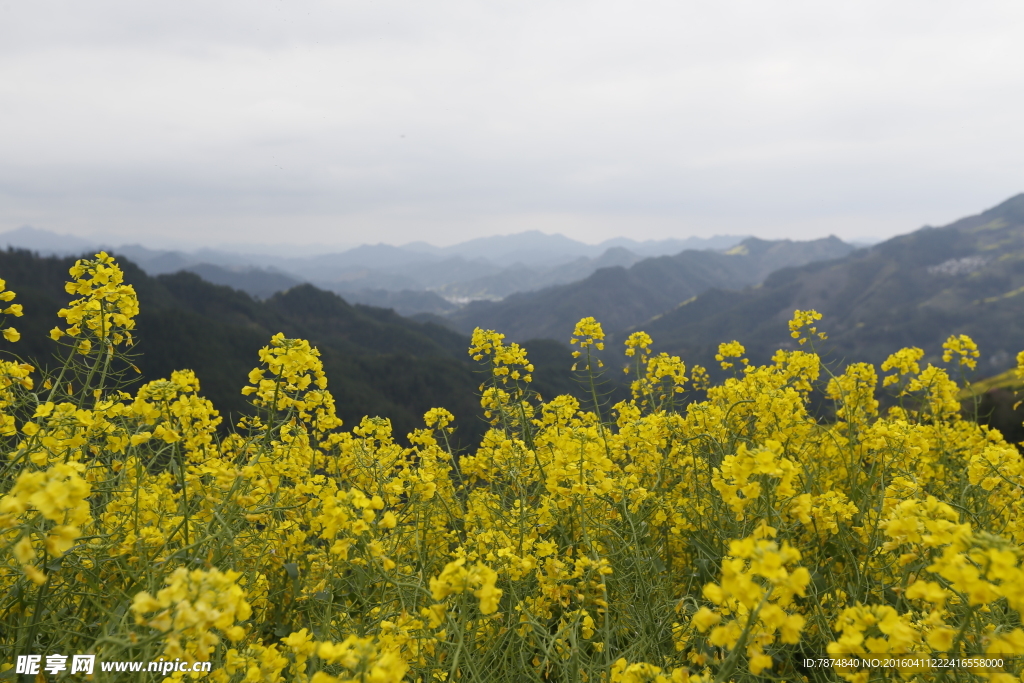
(731, 539)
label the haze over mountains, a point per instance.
(413, 278)
(912, 289)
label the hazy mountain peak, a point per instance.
(529, 246)
(827, 247)
(45, 241)
(1011, 210)
(615, 256)
(422, 247)
(673, 245)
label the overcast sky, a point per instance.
(337, 122)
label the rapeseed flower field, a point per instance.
(735, 538)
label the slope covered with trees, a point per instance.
(912, 290)
(623, 297)
(379, 363)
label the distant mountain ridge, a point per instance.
(522, 278)
(537, 247)
(912, 290)
(483, 268)
(622, 297)
(45, 242)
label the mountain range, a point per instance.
(621, 297)
(912, 290)
(484, 268)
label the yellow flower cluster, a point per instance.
(958, 576)
(190, 607)
(107, 307)
(507, 362)
(754, 596)
(638, 340)
(10, 334)
(588, 332)
(904, 362)
(658, 378)
(642, 672)
(13, 377)
(875, 630)
(746, 476)
(854, 393)
(731, 349)
(502, 402)
(963, 349)
(455, 578)
(724, 539)
(59, 495)
(363, 661)
(802, 320)
(293, 380)
(589, 335)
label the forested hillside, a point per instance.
(912, 290)
(623, 297)
(377, 362)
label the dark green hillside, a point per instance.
(377, 362)
(913, 290)
(623, 297)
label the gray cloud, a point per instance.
(345, 121)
